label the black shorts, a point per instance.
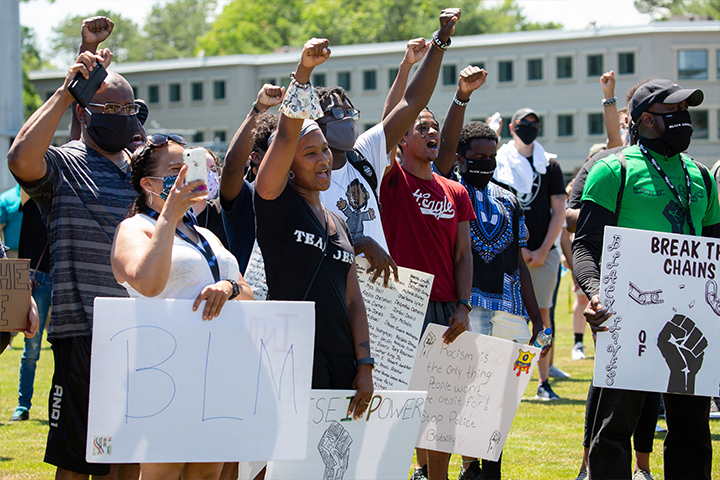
(333, 372)
(68, 407)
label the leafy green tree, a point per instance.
(126, 42)
(31, 60)
(172, 29)
(663, 9)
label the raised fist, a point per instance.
(607, 82)
(269, 96)
(96, 30)
(315, 52)
(428, 344)
(683, 346)
(448, 19)
(416, 50)
(334, 448)
(471, 78)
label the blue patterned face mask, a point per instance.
(168, 183)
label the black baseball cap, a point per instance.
(522, 113)
(662, 91)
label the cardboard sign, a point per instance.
(395, 319)
(377, 446)
(15, 293)
(255, 274)
(166, 386)
(474, 387)
(664, 332)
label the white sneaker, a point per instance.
(578, 351)
(557, 373)
(642, 475)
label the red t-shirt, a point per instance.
(420, 219)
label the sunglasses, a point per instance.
(114, 108)
(340, 113)
(535, 125)
(158, 140)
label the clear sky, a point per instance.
(42, 16)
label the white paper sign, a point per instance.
(255, 274)
(474, 387)
(395, 319)
(664, 333)
(379, 446)
(166, 386)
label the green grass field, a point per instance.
(545, 441)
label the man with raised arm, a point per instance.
(670, 193)
(360, 163)
(84, 190)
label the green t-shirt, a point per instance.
(648, 203)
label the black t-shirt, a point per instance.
(291, 239)
(238, 217)
(575, 200)
(33, 238)
(537, 205)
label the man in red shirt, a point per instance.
(426, 219)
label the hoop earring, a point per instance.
(291, 175)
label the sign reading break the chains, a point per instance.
(664, 332)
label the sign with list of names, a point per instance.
(395, 319)
(664, 332)
(166, 386)
(475, 385)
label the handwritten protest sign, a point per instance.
(15, 294)
(255, 274)
(474, 387)
(395, 318)
(166, 386)
(662, 290)
(378, 446)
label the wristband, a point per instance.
(465, 302)
(255, 109)
(301, 101)
(236, 288)
(439, 43)
(459, 102)
(366, 361)
(608, 102)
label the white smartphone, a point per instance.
(194, 158)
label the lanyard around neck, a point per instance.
(206, 250)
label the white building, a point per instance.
(555, 72)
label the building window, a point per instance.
(505, 71)
(135, 91)
(48, 95)
(219, 135)
(343, 80)
(197, 91)
(219, 90)
(268, 80)
(699, 124)
(565, 125)
(392, 75)
(319, 80)
(626, 63)
(154, 94)
(692, 65)
(174, 92)
(595, 65)
(480, 65)
(505, 129)
(370, 80)
(534, 67)
(449, 74)
(198, 137)
(564, 67)
(596, 124)
(368, 126)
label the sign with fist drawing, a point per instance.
(664, 332)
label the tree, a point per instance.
(126, 42)
(31, 60)
(172, 29)
(663, 9)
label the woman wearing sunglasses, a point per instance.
(307, 249)
(159, 252)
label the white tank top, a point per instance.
(189, 271)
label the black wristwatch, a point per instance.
(236, 288)
(465, 302)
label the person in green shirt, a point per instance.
(666, 191)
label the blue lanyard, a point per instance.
(206, 249)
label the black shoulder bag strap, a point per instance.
(623, 177)
(365, 169)
(706, 176)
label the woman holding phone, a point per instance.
(159, 252)
(307, 250)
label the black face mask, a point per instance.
(527, 132)
(677, 134)
(112, 133)
(479, 171)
